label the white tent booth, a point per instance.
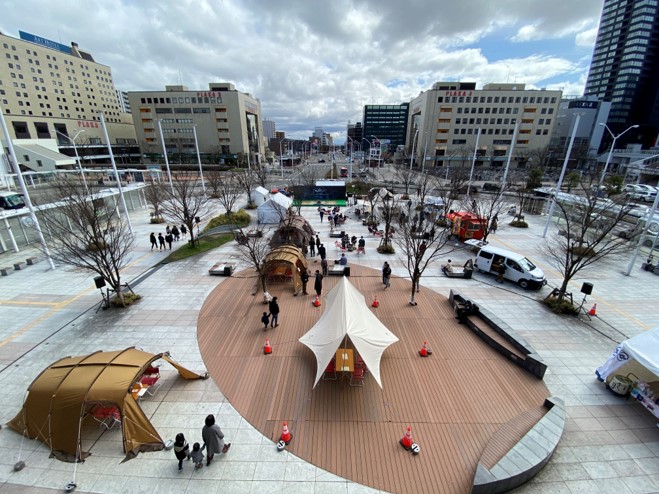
(347, 316)
(260, 195)
(634, 368)
(274, 209)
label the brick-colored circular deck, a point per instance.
(455, 400)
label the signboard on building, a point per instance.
(54, 45)
(591, 105)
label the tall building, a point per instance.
(227, 122)
(588, 136)
(384, 126)
(625, 69)
(122, 98)
(269, 129)
(54, 92)
(355, 135)
(447, 121)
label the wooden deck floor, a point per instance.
(455, 400)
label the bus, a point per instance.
(344, 172)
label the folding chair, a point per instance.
(107, 416)
(151, 380)
(357, 377)
(330, 372)
(361, 364)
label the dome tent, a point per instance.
(60, 398)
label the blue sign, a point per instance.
(54, 45)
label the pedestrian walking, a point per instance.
(161, 241)
(168, 230)
(422, 248)
(318, 283)
(154, 242)
(360, 245)
(273, 306)
(323, 266)
(265, 319)
(181, 449)
(197, 456)
(304, 276)
(417, 278)
(213, 439)
(312, 248)
(169, 238)
(184, 232)
(318, 243)
(176, 233)
(321, 211)
(494, 224)
(386, 275)
(322, 252)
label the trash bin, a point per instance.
(346, 271)
(468, 273)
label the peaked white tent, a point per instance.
(346, 314)
(274, 209)
(260, 195)
(639, 355)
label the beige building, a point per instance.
(444, 123)
(50, 91)
(227, 123)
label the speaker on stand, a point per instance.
(586, 289)
(99, 281)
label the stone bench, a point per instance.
(20, 265)
(31, 261)
(6, 270)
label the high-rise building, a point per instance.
(269, 129)
(625, 69)
(51, 97)
(355, 134)
(385, 126)
(122, 97)
(226, 122)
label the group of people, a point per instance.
(318, 280)
(273, 308)
(172, 234)
(334, 216)
(213, 442)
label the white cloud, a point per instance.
(317, 64)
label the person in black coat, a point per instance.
(161, 241)
(169, 238)
(273, 306)
(154, 242)
(304, 276)
(318, 283)
(322, 252)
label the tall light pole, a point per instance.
(413, 146)
(510, 155)
(21, 182)
(196, 145)
(560, 179)
(164, 152)
(613, 145)
(281, 163)
(116, 173)
(75, 150)
(425, 151)
(473, 163)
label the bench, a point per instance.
(336, 270)
(6, 270)
(222, 269)
(31, 261)
(20, 265)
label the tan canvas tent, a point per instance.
(61, 397)
(347, 315)
(285, 263)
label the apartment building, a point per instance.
(224, 123)
(453, 119)
(51, 91)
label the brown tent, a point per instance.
(63, 395)
(285, 263)
(293, 230)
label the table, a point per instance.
(345, 360)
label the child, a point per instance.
(181, 450)
(197, 456)
(265, 319)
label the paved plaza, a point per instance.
(610, 444)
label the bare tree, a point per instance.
(488, 207)
(252, 249)
(586, 234)
(451, 192)
(245, 180)
(405, 176)
(213, 181)
(185, 203)
(420, 244)
(309, 175)
(155, 195)
(228, 192)
(86, 232)
(261, 173)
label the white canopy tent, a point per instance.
(346, 314)
(260, 195)
(639, 355)
(274, 209)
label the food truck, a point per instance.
(467, 226)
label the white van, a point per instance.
(518, 268)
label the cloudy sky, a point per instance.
(316, 64)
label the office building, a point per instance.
(355, 134)
(384, 126)
(269, 129)
(227, 123)
(122, 98)
(446, 122)
(625, 69)
(51, 91)
(588, 136)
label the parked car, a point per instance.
(640, 192)
(321, 161)
(11, 200)
(491, 187)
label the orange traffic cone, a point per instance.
(375, 303)
(267, 349)
(316, 301)
(593, 310)
(286, 435)
(406, 440)
(424, 350)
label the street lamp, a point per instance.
(413, 143)
(75, 150)
(164, 152)
(473, 163)
(196, 145)
(613, 145)
(281, 163)
(425, 151)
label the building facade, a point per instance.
(269, 129)
(625, 69)
(384, 126)
(227, 123)
(51, 91)
(588, 136)
(355, 134)
(122, 98)
(451, 121)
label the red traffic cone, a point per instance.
(593, 310)
(286, 435)
(375, 303)
(316, 301)
(424, 350)
(406, 440)
(267, 349)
